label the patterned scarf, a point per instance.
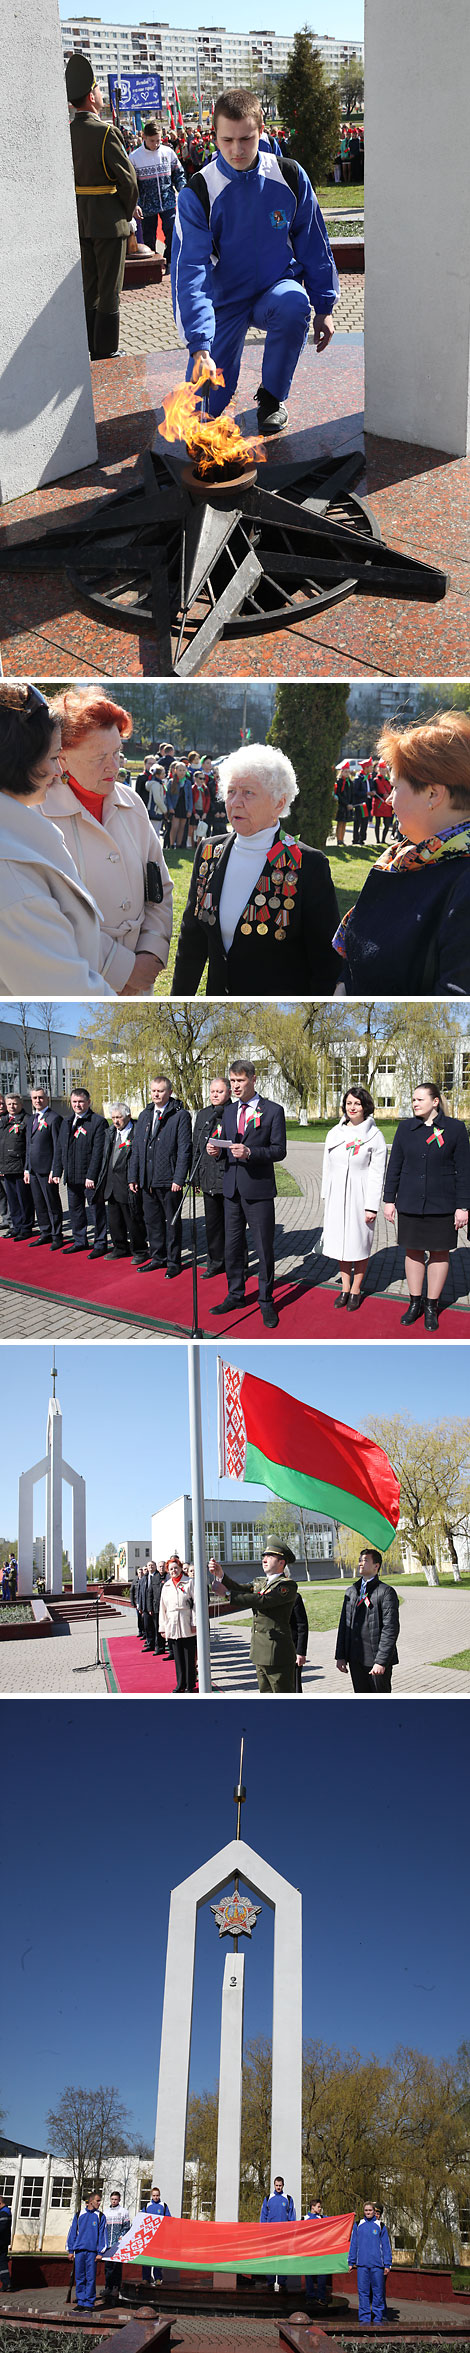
(404, 856)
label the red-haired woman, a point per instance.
(108, 832)
(409, 933)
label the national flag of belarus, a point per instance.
(238, 2246)
(305, 1456)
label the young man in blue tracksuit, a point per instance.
(87, 2239)
(250, 248)
(370, 2250)
(156, 2205)
(278, 2208)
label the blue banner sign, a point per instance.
(137, 90)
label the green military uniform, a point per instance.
(272, 1646)
(107, 193)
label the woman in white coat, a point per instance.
(352, 1182)
(109, 834)
(49, 923)
(177, 1621)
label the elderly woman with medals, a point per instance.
(260, 901)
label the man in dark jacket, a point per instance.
(368, 1628)
(159, 1163)
(42, 1130)
(5, 2236)
(107, 193)
(79, 1152)
(153, 1638)
(298, 911)
(124, 1209)
(272, 1645)
(12, 1163)
(210, 1174)
(4, 1210)
(255, 1130)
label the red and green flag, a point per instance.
(238, 2246)
(273, 1440)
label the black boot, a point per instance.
(106, 334)
(431, 1318)
(90, 316)
(414, 1309)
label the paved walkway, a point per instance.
(435, 1623)
(147, 322)
(299, 1219)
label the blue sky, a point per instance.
(344, 19)
(126, 1417)
(108, 1807)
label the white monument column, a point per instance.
(78, 1487)
(54, 1500)
(54, 1470)
(417, 222)
(47, 425)
(229, 2127)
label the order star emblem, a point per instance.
(235, 1915)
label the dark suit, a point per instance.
(367, 1633)
(249, 1192)
(42, 1130)
(124, 1209)
(79, 1150)
(160, 1157)
(427, 1178)
(299, 914)
(210, 1177)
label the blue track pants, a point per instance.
(371, 2278)
(85, 2276)
(284, 312)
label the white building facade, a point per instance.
(133, 1555)
(236, 1532)
(174, 52)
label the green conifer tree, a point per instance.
(309, 724)
(309, 104)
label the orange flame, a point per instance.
(210, 441)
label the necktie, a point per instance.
(241, 1121)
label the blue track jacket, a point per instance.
(257, 233)
(88, 2234)
(278, 2208)
(370, 2244)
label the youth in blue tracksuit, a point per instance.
(87, 2239)
(278, 2208)
(370, 2250)
(317, 2283)
(156, 2205)
(250, 247)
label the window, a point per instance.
(31, 2196)
(464, 2225)
(145, 2189)
(248, 1538)
(448, 1074)
(62, 2187)
(137, 1551)
(7, 2184)
(214, 1531)
(466, 1071)
(358, 1077)
(9, 1071)
(92, 2188)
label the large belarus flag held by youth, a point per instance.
(238, 2246)
(269, 1438)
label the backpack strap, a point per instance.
(291, 174)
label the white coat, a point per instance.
(353, 1174)
(49, 923)
(112, 860)
(176, 1613)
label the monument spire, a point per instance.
(54, 1375)
(240, 1797)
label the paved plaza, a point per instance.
(435, 1623)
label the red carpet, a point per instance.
(114, 1287)
(130, 1670)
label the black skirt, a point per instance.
(427, 1233)
(181, 810)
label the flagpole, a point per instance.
(199, 1537)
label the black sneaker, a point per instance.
(273, 417)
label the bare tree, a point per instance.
(88, 2128)
(50, 1019)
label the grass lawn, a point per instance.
(180, 866)
(13, 1613)
(317, 1129)
(342, 199)
(349, 869)
(462, 1659)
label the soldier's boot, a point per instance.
(90, 316)
(106, 334)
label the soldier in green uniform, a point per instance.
(107, 193)
(272, 1646)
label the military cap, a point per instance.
(281, 1551)
(79, 78)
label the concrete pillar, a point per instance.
(54, 1501)
(175, 2047)
(78, 1487)
(229, 2127)
(47, 421)
(417, 222)
(25, 1535)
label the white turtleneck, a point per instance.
(243, 869)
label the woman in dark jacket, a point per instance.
(12, 1161)
(428, 1178)
(258, 890)
(409, 933)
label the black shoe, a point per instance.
(343, 1299)
(232, 1300)
(354, 1301)
(152, 1266)
(171, 1273)
(208, 1273)
(75, 1250)
(272, 413)
(140, 1258)
(269, 1314)
(431, 1318)
(57, 1244)
(40, 1242)
(414, 1309)
(111, 1254)
(100, 1250)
